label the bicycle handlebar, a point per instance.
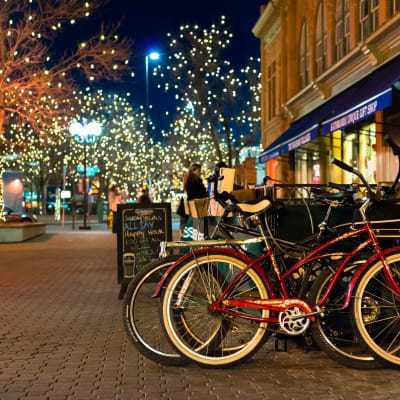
(342, 165)
(393, 145)
(342, 188)
(346, 167)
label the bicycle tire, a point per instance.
(376, 311)
(145, 332)
(211, 340)
(334, 333)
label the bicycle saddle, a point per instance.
(257, 208)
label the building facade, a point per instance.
(330, 88)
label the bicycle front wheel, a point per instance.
(141, 315)
(212, 339)
(334, 333)
(376, 311)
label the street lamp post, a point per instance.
(152, 56)
(85, 134)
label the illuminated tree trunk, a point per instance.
(225, 123)
(2, 153)
(203, 100)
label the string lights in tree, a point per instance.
(34, 81)
(225, 103)
(121, 152)
(40, 158)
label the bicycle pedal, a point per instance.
(309, 341)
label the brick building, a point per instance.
(331, 87)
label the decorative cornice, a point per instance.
(378, 49)
(323, 89)
(373, 53)
(288, 112)
(266, 26)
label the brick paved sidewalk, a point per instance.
(61, 337)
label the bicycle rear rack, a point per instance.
(206, 243)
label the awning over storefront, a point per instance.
(359, 112)
(271, 154)
(300, 139)
(371, 94)
(290, 140)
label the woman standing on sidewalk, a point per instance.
(194, 188)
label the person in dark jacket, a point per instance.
(192, 183)
(194, 188)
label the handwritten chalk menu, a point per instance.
(140, 229)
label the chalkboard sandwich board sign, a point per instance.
(140, 229)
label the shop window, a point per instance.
(359, 151)
(321, 39)
(308, 168)
(336, 152)
(367, 154)
(342, 31)
(368, 17)
(350, 156)
(304, 57)
(272, 91)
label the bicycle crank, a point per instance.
(293, 321)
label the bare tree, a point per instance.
(224, 101)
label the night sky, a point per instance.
(147, 23)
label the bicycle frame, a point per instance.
(282, 304)
(221, 304)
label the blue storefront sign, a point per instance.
(359, 112)
(299, 140)
(270, 155)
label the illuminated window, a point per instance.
(350, 156)
(367, 152)
(304, 56)
(375, 14)
(307, 167)
(394, 6)
(321, 39)
(369, 18)
(272, 91)
(342, 31)
(359, 151)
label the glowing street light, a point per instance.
(152, 56)
(84, 134)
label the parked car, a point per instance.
(12, 216)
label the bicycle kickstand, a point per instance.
(279, 338)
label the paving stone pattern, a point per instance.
(61, 337)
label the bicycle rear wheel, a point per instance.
(212, 339)
(141, 315)
(376, 311)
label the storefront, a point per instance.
(350, 127)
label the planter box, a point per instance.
(13, 232)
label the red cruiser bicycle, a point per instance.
(219, 306)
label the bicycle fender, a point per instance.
(199, 252)
(357, 275)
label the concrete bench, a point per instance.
(12, 232)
